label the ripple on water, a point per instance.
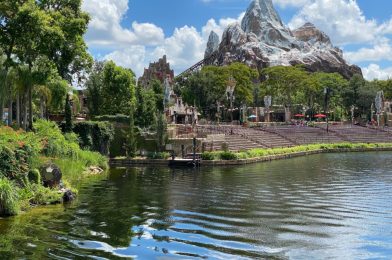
(319, 207)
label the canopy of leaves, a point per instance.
(208, 86)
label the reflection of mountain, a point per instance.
(262, 40)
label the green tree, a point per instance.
(118, 89)
(58, 89)
(94, 86)
(361, 94)
(131, 136)
(64, 43)
(68, 115)
(208, 87)
(285, 84)
(146, 107)
(161, 131)
(158, 89)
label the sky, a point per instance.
(134, 33)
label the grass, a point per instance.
(22, 153)
(259, 153)
(9, 198)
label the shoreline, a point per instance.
(214, 163)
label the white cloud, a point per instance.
(343, 20)
(374, 71)
(131, 57)
(380, 51)
(184, 48)
(105, 28)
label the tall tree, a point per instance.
(94, 85)
(118, 89)
(161, 131)
(285, 84)
(68, 115)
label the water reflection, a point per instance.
(323, 206)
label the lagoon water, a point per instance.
(329, 206)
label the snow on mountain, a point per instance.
(262, 40)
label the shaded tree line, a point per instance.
(42, 52)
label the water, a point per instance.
(335, 206)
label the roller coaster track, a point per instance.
(199, 65)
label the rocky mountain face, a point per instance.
(262, 40)
(212, 44)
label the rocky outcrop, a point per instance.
(212, 44)
(51, 175)
(262, 40)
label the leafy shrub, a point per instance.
(95, 136)
(9, 198)
(208, 156)
(34, 176)
(54, 142)
(44, 196)
(113, 118)
(228, 156)
(158, 155)
(14, 163)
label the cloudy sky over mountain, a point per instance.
(134, 32)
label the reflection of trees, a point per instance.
(29, 234)
(128, 199)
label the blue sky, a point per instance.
(136, 32)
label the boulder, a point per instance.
(68, 196)
(51, 175)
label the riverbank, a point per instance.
(223, 158)
(41, 167)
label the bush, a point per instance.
(14, 164)
(208, 156)
(9, 198)
(34, 176)
(95, 136)
(54, 142)
(159, 155)
(113, 118)
(44, 196)
(228, 156)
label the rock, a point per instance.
(51, 175)
(212, 44)
(262, 40)
(92, 170)
(68, 196)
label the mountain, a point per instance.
(262, 40)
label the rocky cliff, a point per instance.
(262, 40)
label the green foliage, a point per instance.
(131, 137)
(14, 162)
(146, 107)
(158, 155)
(118, 89)
(58, 91)
(208, 156)
(207, 87)
(68, 115)
(43, 196)
(161, 134)
(228, 156)
(9, 198)
(95, 136)
(258, 153)
(119, 118)
(34, 176)
(94, 86)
